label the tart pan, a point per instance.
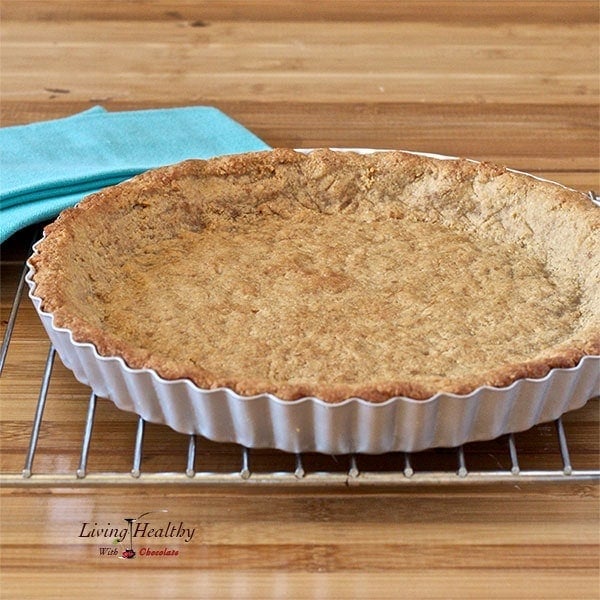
(312, 425)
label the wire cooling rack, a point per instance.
(444, 466)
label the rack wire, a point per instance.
(348, 469)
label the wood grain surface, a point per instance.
(504, 81)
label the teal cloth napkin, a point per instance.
(48, 166)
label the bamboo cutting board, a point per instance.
(503, 81)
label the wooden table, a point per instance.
(511, 82)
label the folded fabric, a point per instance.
(48, 166)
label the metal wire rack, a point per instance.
(348, 470)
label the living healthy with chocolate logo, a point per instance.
(143, 536)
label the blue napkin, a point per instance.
(48, 166)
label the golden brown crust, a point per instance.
(332, 275)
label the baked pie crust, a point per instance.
(330, 274)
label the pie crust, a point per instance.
(329, 274)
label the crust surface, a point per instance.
(332, 274)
